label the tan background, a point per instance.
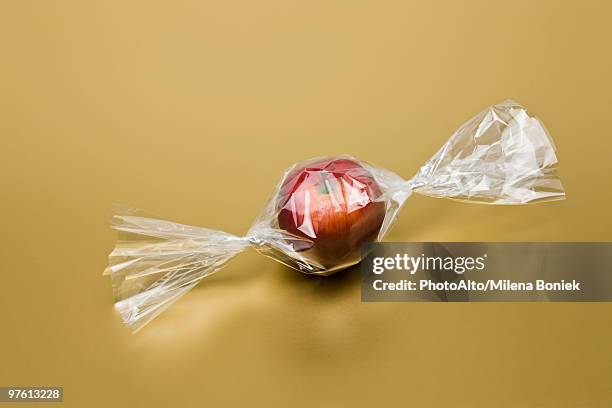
(191, 110)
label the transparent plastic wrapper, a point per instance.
(323, 210)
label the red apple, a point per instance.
(333, 206)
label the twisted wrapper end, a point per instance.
(155, 262)
(501, 156)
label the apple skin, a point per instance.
(333, 206)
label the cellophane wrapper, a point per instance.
(501, 156)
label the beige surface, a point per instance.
(191, 110)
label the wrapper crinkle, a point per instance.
(323, 210)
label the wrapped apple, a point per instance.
(333, 206)
(323, 211)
